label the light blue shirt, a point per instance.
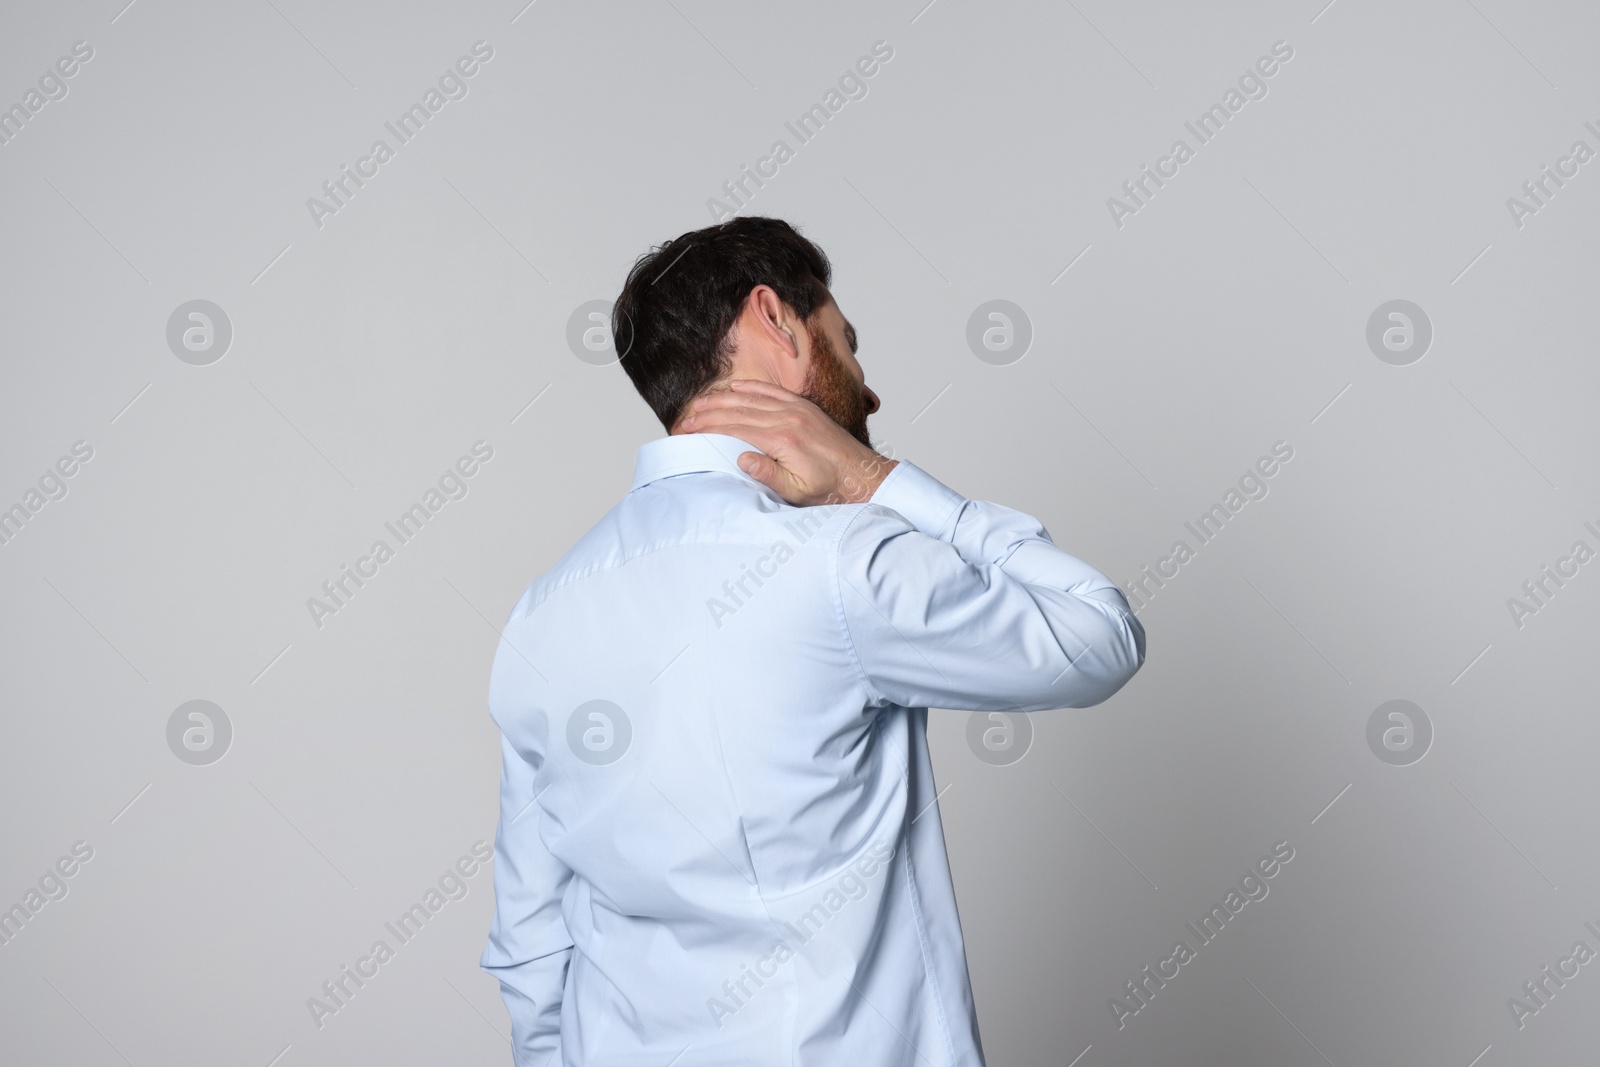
(718, 842)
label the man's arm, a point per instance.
(948, 602)
(529, 947)
(957, 603)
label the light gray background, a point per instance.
(1228, 314)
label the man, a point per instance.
(718, 843)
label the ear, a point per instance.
(772, 320)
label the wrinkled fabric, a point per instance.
(718, 839)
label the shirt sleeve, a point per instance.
(962, 604)
(529, 947)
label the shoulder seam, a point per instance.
(838, 600)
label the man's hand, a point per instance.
(810, 459)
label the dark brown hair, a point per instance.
(672, 322)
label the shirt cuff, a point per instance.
(921, 499)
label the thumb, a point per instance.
(763, 469)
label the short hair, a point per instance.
(673, 320)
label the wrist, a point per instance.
(921, 499)
(860, 479)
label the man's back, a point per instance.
(717, 838)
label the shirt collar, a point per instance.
(689, 453)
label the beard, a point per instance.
(830, 387)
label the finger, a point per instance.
(770, 473)
(796, 415)
(735, 416)
(731, 400)
(742, 424)
(699, 416)
(756, 386)
(760, 467)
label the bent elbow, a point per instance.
(1113, 660)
